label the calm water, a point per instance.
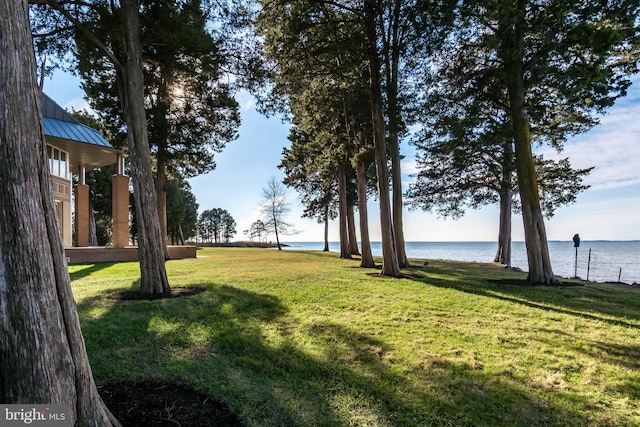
(609, 259)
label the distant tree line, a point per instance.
(216, 225)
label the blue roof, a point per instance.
(73, 131)
(60, 124)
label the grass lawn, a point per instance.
(290, 338)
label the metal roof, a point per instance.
(75, 132)
(88, 148)
(60, 124)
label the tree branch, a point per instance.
(80, 26)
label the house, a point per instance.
(75, 149)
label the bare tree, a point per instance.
(42, 353)
(275, 208)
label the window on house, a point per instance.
(58, 162)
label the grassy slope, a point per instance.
(303, 338)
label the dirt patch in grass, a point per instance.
(137, 295)
(154, 404)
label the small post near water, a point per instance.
(576, 244)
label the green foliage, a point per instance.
(457, 174)
(303, 339)
(182, 211)
(310, 166)
(559, 183)
(466, 156)
(318, 79)
(190, 110)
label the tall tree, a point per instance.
(451, 178)
(324, 41)
(131, 88)
(578, 54)
(402, 24)
(465, 151)
(390, 264)
(257, 229)
(42, 352)
(318, 150)
(122, 48)
(190, 109)
(407, 31)
(359, 144)
(309, 168)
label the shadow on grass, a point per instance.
(591, 301)
(627, 356)
(89, 269)
(245, 349)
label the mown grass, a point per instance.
(306, 339)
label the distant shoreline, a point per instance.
(290, 243)
(241, 244)
(597, 260)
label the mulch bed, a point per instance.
(137, 295)
(155, 404)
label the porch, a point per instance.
(92, 254)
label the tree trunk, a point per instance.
(390, 266)
(326, 229)
(162, 135)
(357, 142)
(153, 278)
(276, 226)
(161, 192)
(393, 60)
(345, 251)
(503, 254)
(351, 227)
(366, 260)
(42, 353)
(180, 236)
(93, 238)
(535, 235)
(396, 182)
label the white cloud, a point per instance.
(408, 167)
(78, 104)
(248, 105)
(246, 101)
(599, 219)
(613, 147)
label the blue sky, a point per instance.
(609, 210)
